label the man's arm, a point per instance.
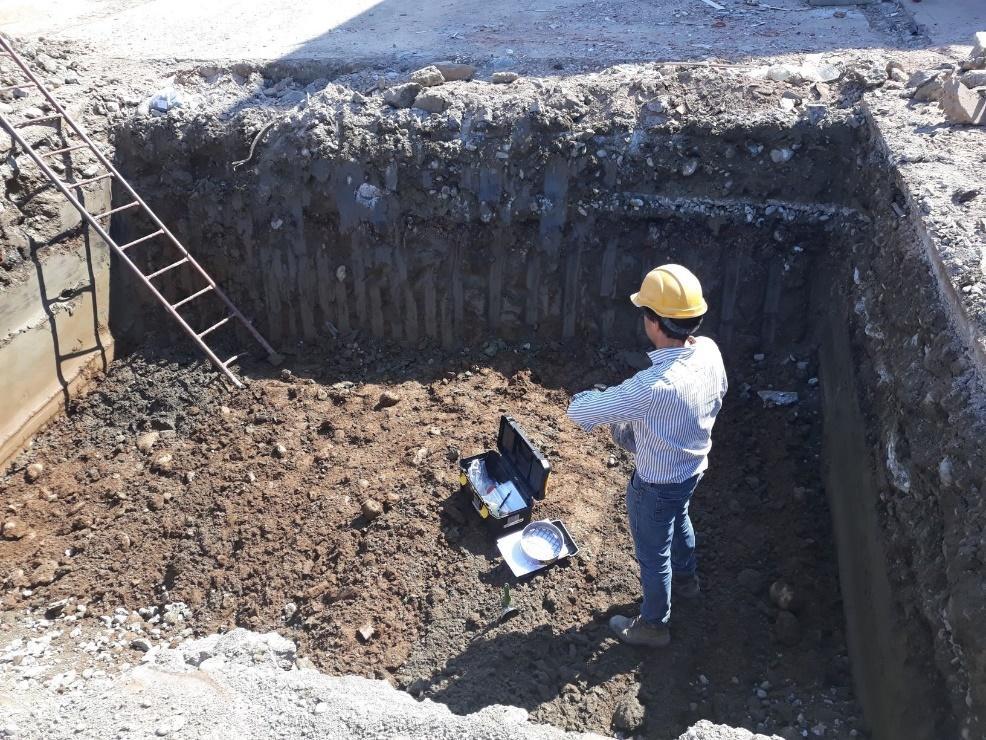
(628, 401)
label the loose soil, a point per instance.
(247, 533)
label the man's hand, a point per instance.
(623, 436)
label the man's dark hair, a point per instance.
(677, 329)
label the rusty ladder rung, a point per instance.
(65, 149)
(71, 193)
(42, 119)
(216, 326)
(80, 183)
(172, 266)
(142, 239)
(193, 296)
(11, 88)
(116, 210)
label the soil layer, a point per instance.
(248, 508)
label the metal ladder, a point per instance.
(66, 188)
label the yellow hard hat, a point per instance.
(671, 291)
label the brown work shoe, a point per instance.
(638, 632)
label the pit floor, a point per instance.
(247, 535)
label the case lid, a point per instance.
(531, 466)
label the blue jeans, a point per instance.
(663, 539)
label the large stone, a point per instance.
(432, 102)
(401, 96)
(974, 78)
(453, 72)
(928, 91)
(962, 105)
(428, 76)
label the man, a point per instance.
(664, 415)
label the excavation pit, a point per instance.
(478, 262)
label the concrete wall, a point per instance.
(54, 305)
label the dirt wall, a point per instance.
(517, 217)
(904, 435)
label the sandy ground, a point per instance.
(522, 35)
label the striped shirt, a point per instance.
(671, 407)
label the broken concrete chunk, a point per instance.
(33, 472)
(928, 91)
(784, 73)
(921, 77)
(974, 78)
(427, 76)
(454, 72)
(978, 44)
(962, 105)
(401, 96)
(504, 78)
(366, 632)
(432, 102)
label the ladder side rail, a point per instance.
(50, 174)
(109, 166)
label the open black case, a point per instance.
(514, 461)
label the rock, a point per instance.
(371, 509)
(388, 399)
(432, 102)
(821, 72)
(169, 726)
(978, 45)
(928, 91)
(504, 78)
(783, 596)
(784, 73)
(974, 78)
(141, 644)
(146, 441)
(751, 580)
(123, 540)
(162, 463)
(962, 105)
(289, 610)
(474, 621)
(305, 664)
(13, 530)
(629, 713)
(366, 632)
(427, 77)
(321, 708)
(44, 574)
(779, 156)
(921, 77)
(33, 472)
(279, 451)
(787, 629)
(55, 608)
(454, 72)
(401, 96)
